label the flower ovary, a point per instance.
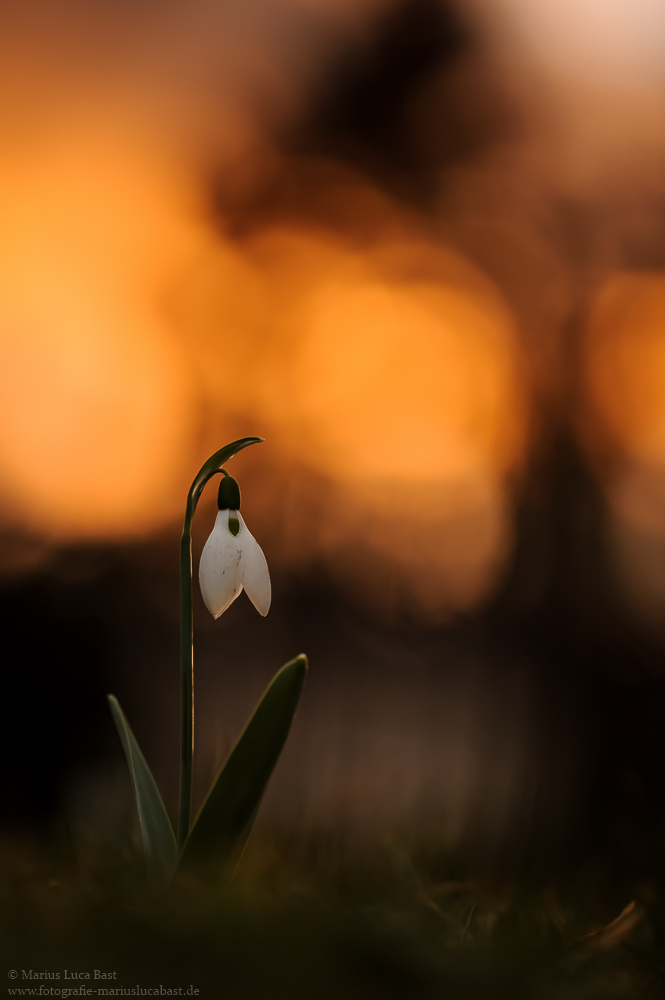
(228, 497)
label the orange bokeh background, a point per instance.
(386, 365)
(136, 336)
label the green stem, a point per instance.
(208, 469)
(186, 676)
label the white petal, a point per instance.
(220, 569)
(255, 575)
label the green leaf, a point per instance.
(159, 848)
(224, 823)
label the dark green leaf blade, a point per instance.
(223, 825)
(159, 847)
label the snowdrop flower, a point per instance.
(232, 558)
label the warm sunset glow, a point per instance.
(625, 371)
(123, 311)
(140, 327)
(412, 380)
(388, 374)
(94, 399)
(626, 363)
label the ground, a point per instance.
(303, 921)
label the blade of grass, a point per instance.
(224, 822)
(159, 847)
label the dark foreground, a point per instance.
(295, 924)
